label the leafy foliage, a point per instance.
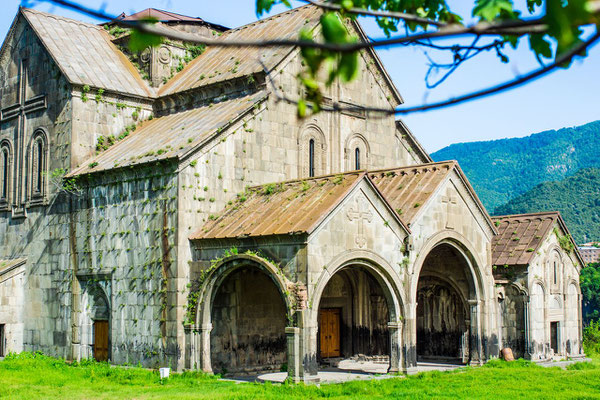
(591, 338)
(503, 169)
(590, 289)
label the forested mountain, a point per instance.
(576, 197)
(500, 170)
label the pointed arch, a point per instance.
(6, 163)
(357, 152)
(38, 166)
(312, 149)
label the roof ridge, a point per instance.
(312, 178)
(267, 19)
(61, 18)
(539, 213)
(413, 166)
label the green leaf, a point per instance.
(263, 6)
(563, 19)
(532, 4)
(539, 45)
(301, 108)
(489, 10)
(139, 40)
(348, 66)
(333, 29)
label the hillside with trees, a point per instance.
(576, 197)
(500, 170)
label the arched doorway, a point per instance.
(353, 317)
(95, 324)
(248, 318)
(445, 292)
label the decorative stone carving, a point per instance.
(360, 213)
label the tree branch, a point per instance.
(372, 13)
(509, 27)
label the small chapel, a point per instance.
(166, 208)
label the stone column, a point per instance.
(205, 330)
(293, 354)
(526, 316)
(396, 362)
(308, 347)
(409, 347)
(191, 358)
(475, 339)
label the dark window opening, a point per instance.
(311, 158)
(4, 174)
(555, 273)
(2, 342)
(554, 336)
(40, 162)
(357, 158)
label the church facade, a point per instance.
(168, 208)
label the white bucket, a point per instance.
(164, 372)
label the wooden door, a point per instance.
(330, 332)
(101, 340)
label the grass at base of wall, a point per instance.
(30, 376)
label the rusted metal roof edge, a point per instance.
(414, 140)
(474, 196)
(340, 199)
(388, 205)
(80, 83)
(223, 129)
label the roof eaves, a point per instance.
(328, 212)
(563, 225)
(193, 149)
(378, 62)
(10, 33)
(475, 198)
(414, 140)
(388, 205)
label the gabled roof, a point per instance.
(407, 189)
(171, 136)
(520, 237)
(291, 207)
(412, 140)
(159, 15)
(9, 265)
(85, 54)
(167, 17)
(219, 64)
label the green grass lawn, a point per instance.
(29, 376)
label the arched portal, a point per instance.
(248, 317)
(446, 292)
(95, 324)
(353, 316)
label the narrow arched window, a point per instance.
(40, 164)
(311, 158)
(555, 273)
(5, 175)
(357, 158)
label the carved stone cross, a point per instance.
(450, 217)
(361, 214)
(20, 110)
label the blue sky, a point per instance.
(564, 98)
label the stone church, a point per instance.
(165, 208)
